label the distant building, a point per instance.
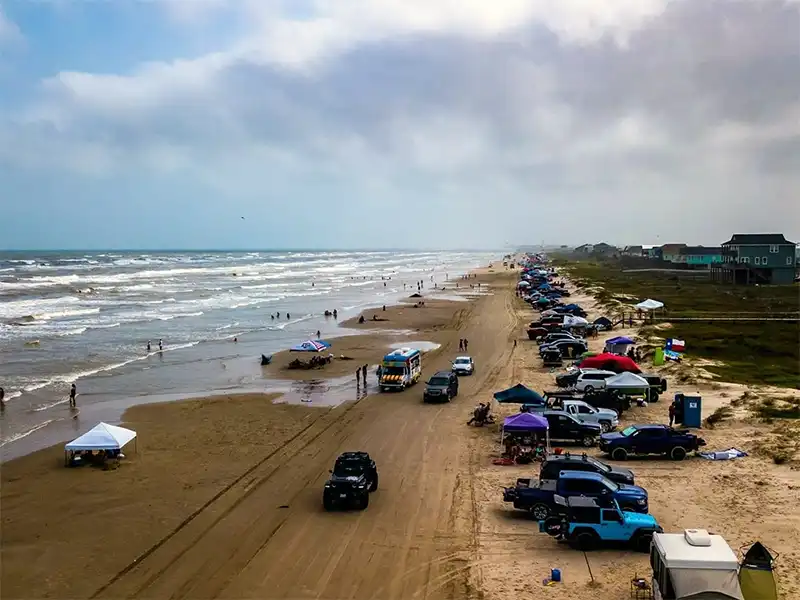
(603, 249)
(632, 251)
(584, 248)
(671, 252)
(756, 258)
(699, 256)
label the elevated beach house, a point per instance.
(671, 252)
(756, 258)
(699, 257)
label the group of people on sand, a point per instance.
(361, 375)
(463, 344)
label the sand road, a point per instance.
(266, 536)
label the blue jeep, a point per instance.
(587, 523)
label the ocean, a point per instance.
(87, 317)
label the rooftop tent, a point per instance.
(523, 422)
(610, 362)
(620, 340)
(102, 437)
(310, 346)
(627, 381)
(650, 305)
(519, 394)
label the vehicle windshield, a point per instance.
(393, 370)
(630, 430)
(438, 381)
(611, 485)
(347, 467)
(462, 361)
(600, 465)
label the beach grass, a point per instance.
(748, 352)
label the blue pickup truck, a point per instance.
(650, 439)
(538, 497)
(587, 524)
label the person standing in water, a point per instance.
(73, 392)
(2, 398)
(148, 346)
(160, 345)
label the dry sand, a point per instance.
(223, 497)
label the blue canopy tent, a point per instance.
(519, 394)
(626, 341)
(310, 346)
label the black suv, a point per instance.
(353, 477)
(555, 463)
(565, 427)
(442, 387)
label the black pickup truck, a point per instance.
(650, 439)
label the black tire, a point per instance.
(327, 503)
(641, 541)
(605, 426)
(374, 485)
(588, 389)
(552, 526)
(588, 441)
(677, 453)
(619, 454)
(362, 502)
(540, 511)
(653, 396)
(585, 540)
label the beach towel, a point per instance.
(729, 454)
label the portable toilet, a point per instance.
(689, 410)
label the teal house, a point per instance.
(756, 258)
(700, 257)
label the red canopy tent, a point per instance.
(610, 362)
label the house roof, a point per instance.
(582, 247)
(757, 239)
(672, 248)
(604, 246)
(699, 251)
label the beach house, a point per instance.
(671, 252)
(699, 257)
(756, 258)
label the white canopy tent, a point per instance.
(627, 381)
(572, 321)
(102, 437)
(650, 304)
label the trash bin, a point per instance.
(688, 410)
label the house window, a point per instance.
(758, 260)
(788, 260)
(746, 260)
(774, 249)
(765, 260)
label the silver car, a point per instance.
(463, 365)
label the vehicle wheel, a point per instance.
(677, 453)
(540, 511)
(362, 502)
(585, 540)
(641, 541)
(374, 485)
(653, 397)
(588, 389)
(327, 503)
(605, 426)
(449, 396)
(588, 441)
(619, 454)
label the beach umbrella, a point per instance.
(310, 346)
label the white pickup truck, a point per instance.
(605, 417)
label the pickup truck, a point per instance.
(587, 524)
(585, 413)
(650, 439)
(658, 385)
(555, 463)
(538, 497)
(564, 427)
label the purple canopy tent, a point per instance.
(526, 423)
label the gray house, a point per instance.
(756, 258)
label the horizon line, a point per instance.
(286, 249)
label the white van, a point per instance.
(592, 380)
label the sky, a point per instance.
(396, 123)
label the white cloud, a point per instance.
(9, 32)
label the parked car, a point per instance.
(463, 365)
(353, 477)
(607, 418)
(588, 523)
(567, 348)
(555, 463)
(658, 385)
(590, 380)
(558, 335)
(442, 387)
(650, 439)
(538, 497)
(565, 427)
(613, 399)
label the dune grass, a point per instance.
(753, 352)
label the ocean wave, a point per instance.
(60, 314)
(25, 434)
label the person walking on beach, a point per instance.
(288, 316)
(73, 392)
(317, 333)
(160, 345)
(364, 374)
(466, 344)
(671, 413)
(460, 344)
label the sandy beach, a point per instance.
(222, 498)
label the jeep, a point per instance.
(353, 477)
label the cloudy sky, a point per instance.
(396, 123)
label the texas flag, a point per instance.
(676, 345)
